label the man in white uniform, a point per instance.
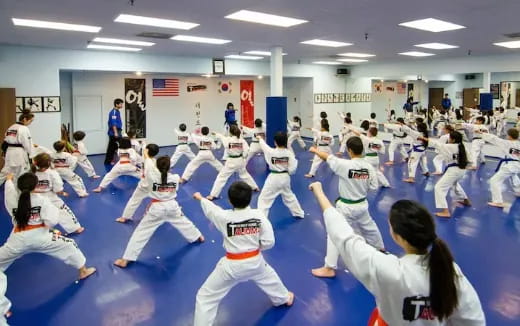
(183, 147)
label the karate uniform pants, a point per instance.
(275, 185)
(157, 214)
(40, 240)
(316, 161)
(477, 155)
(85, 164)
(417, 158)
(254, 148)
(396, 143)
(67, 219)
(73, 179)
(180, 151)
(343, 144)
(359, 218)
(139, 194)
(229, 273)
(232, 165)
(295, 136)
(204, 156)
(449, 181)
(438, 163)
(16, 162)
(381, 178)
(509, 170)
(119, 170)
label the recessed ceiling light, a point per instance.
(260, 77)
(416, 54)
(264, 53)
(198, 39)
(55, 25)
(112, 47)
(357, 55)
(333, 44)
(266, 19)
(432, 25)
(436, 46)
(352, 60)
(509, 45)
(138, 73)
(157, 22)
(327, 63)
(120, 41)
(243, 57)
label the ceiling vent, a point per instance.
(162, 36)
(513, 35)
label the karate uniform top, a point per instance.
(474, 128)
(294, 126)
(136, 146)
(42, 210)
(398, 130)
(48, 181)
(280, 160)
(417, 144)
(129, 155)
(158, 190)
(372, 145)
(356, 177)
(255, 132)
(517, 124)
(449, 152)
(5, 304)
(183, 137)
(510, 148)
(17, 135)
(373, 123)
(243, 230)
(80, 148)
(323, 138)
(401, 286)
(63, 160)
(443, 139)
(203, 142)
(236, 147)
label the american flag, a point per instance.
(165, 87)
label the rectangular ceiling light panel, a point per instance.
(120, 41)
(266, 19)
(55, 25)
(319, 42)
(157, 22)
(432, 25)
(112, 47)
(436, 46)
(198, 39)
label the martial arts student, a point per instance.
(438, 159)
(127, 165)
(17, 147)
(141, 191)
(440, 118)
(237, 149)
(455, 156)
(49, 187)
(408, 108)
(501, 121)
(477, 129)
(183, 147)
(294, 128)
(282, 164)
(162, 188)
(316, 123)
(5, 304)
(206, 146)
(508, 167)
(424, 287)
(33, 216)
(356, 178)
(418, 154)
(398, 140)
(137, 145)
(374, 146)
(80, 150)
(391, 116)
(247, 232)
(65, 164)
(372, 121)
(344, 134)
(325, 141)
(258, 131)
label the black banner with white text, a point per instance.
(135, 106)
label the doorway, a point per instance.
(470, 97)
(435, 96)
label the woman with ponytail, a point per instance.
(33, 216)
(162, 188)
(424, 287)
(418, 155)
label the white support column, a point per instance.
(486, 80)
(276, 71)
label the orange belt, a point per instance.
(243, 255)
(375, 319)
(156, 201)
(125, 162)
(28, 227)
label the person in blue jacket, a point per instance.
(230, 116)
(408, 107)
(115, 126)
(446, 102)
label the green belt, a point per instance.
(255, 141)
(235, 156)
(348, 201)
(279, 172)
(182, 144)
(371, 154)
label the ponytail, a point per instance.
(163, 165)
(26, 183)
(423, 128)
(463, 156)
(25, 115)
(443, 289)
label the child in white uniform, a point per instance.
(325, 141)
(140, 192)
(137, 145)
(237, 148)
(356, 178)
(424, 288)
(162, 188)
(372, 121)
(65, 164)
(127, 165)
(5, 304)
(294, 128)
(418, 155)
(183, 147)
(81, 152)
(398, 140)
(282, 164)
(477, 155)
(438, 159)
(258, 131)
(344, 134)
(206, 146)
(33, 216)
(373, 147)
(247, 232)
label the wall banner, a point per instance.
(135, 106)
(247, 102)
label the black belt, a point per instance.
(323, 144)
(400, 136)
(14, 145)
(203, 149)
(477, 138)
(279, 172)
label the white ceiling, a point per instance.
(340, 20)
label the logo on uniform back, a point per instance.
(205, 144)
(361, 174)
(514, 152)
(34, 213)
(325, 139)
(164, 187)
(295, 128)
(261, 134)
(11, 132)
(42, 185)
(284, 161)
(124, 155)
(248, 227)
(60, 163)
(417, 307)
(235, 146)
(375, 147)
(183, 139)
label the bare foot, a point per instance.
(182, 181)
(85, 272)
(122, 219)
(121, 263)
(386, 186)
(290, 301)
(325, 272)
(409, 180)
(201, 239)
(389, 163)
(98, 189)
(444, 213)
(8, 314)
(340, 154)
(499, 205)
(96, 177)
(472, 168)
(83, 195)
(464, 202)
(210, 198)
(437, 173)
(427, 174)
(80, 230)
(309, 176)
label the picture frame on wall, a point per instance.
(342, 98)
(19, 104)
(336, 97)
(33, 103)
(317, 98)
(51, 104)
(348, 98)
(330, 98)
(219, 66)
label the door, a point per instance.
(470, 97)
(517, 99)
(7, 112)
(435, 96)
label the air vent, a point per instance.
(162, 36)
(513, 35)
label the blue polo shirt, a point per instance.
(446, 103)
(114, 119)
(230, 116)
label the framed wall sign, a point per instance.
(219, 67)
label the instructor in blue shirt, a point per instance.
(115, 126)
(229, 115)
(446, 102)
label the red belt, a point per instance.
(375, 319)
(242, 255)
(156, 201)
(125, 162)
(28, 227)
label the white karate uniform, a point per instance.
(501, 123)
(401, 286)
(237, 149)
(80, 151)
(325, 142)
(49, 184)
(245, 231)
(344, 135)
(20, 149)
(65, 163)
(139, 194)
(37, 237)
(5, 304)
(356, 178)
(508, 168)
(373, 147)
(373, 123)
(282, 164)
(254, 147)
(438, 159)
(452, 174)
(418, 153)
(398, 140)
(183, 147)
(205, 155)
(127, 165)
(294, 134)
(476, 155)
(164, 209)
(137, 145)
